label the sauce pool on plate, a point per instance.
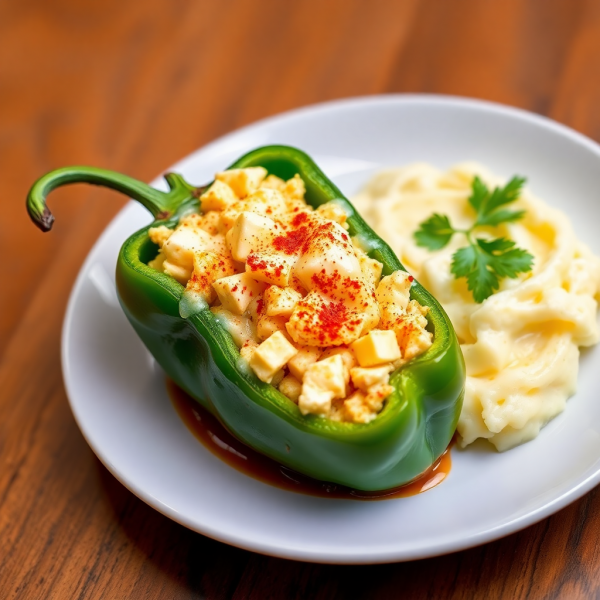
(215, 438)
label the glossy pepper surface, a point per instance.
(418, 419)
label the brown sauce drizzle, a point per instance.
(215, 438)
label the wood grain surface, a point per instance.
(134, 86)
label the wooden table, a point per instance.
(136, 86)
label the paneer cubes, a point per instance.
(280, 302)
(236, 291)
(243, 181)
(218, 197)
(270, 267)
(323, 381)
(250, 233)
(208, 268)
(271, 356)
(376, 348)
(304, 303)
(179, 250)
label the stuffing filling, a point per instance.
(306, 306)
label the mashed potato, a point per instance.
(521, 345)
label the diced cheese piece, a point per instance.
(256, 308)
(266, 326)
(365, 378)
(371, 268)
(271, 356)
(412, 338)
(250, 232)
(181, 274)
(247, 350)
(333, 211)
(158, 262)
(323, 381)
(395, 289)
(240, 328)
(290, 387)
(179, 251)
(316, 321)
(273, 182)
(377, 347)
(294, 188)
(418, 312)
(159, 235)
(209, 222)
(243, 181)
(266, 202)
(236, 291)
(270, 267)
(376, 395)
(307, 355)
(208, 267)
(328, 261)
(357, 410)
(280, 302)
(346, 354)
(218, 197)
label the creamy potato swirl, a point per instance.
(521, 345)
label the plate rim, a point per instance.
(386, 554)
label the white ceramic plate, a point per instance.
(118, 395)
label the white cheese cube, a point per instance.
(323, 381)
(412, 338)
(237, 291)
(179, 250)
(357, 410)
(334, 212)
(316, 321)
(290, 387)
(270, 267)
(376, 395)
(371, 268)
(158, 262)
(266, 326)
(294, 188)
(266, 202)
(376, 348)
(280, 302)
(328, 260)
(271, 356)
(247, 350)
(240, 328)
(159, 235)
(346, 354)
(272, 182)
(307, 355)
(218, 197)
(208, 267)
(395, 289)
(243, 181)
(250, 232)
(365, 378)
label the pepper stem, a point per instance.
(160, 204)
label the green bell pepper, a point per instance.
(418, 419)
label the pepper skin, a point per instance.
(418, 419)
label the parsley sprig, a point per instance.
(483, 262)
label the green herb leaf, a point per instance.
(508, 260)
(483, 262)
(486, 262)
(435, 232)
(489, 207)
